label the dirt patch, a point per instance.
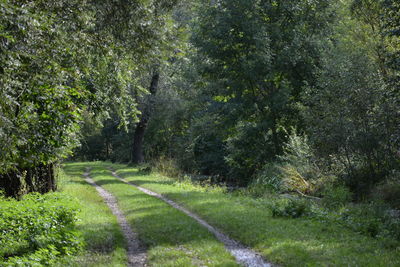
(135, 251)
(243, 255)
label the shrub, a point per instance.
(296, 170)
(38, 228)
(167, 167)
(336, 196)
(389, 191)
(267, 181)
(294, 181)
(290, 207)
(371, 219)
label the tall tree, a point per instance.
(59, 58)
(258, 55)
(353, 108)
(141, 126)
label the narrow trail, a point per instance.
(136, 253)
(243, 255)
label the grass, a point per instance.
(105, 244)
(288, 242)
(171, 237)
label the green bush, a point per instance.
(37, 229)
(167, 167)
(389, 191)
(267, 181)
(336, 196)
(290, 207)
(296, 171)
(371, 219)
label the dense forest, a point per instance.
(285, 96)
(276, 95)
(264, 97)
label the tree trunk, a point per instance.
(39, 179)
(137, 150)
(138, 138)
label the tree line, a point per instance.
(59, 61)
(288, 96)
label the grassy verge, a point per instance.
(172, 238)
(288, 242)
(105, 245)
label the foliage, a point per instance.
(352, 102)
(253, 71)
(389, 191)
(290, 207)
(41, 100)
(38, 229)
(371, 219)
(234, 88)
(336, 196)
(297, 171)
(61, 58)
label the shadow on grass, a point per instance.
(79, 182)
(101, 237)
(107, 181)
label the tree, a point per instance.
(258, 55)
(352, 110)
(58, 59)
(141, 126)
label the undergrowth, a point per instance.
(38, 230)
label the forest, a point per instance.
(252, 114)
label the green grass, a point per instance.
(288, 242)
(171, 237)
(105, 244)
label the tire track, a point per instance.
(135, 251)
(243, 255)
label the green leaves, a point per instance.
(259, 55)
(60, 58)
(38, 229)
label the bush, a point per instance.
(336, 196)
(389, 191)
(37, 229)
(267, 181)
(371, 219)
(296, 171)
(294, 181)
(167, 167)
(290, 207)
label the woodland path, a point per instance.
(135, 251)
(243, 255)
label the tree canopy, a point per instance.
(286, 95)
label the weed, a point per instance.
(290, 207)
(38, 228)
(335, 197)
